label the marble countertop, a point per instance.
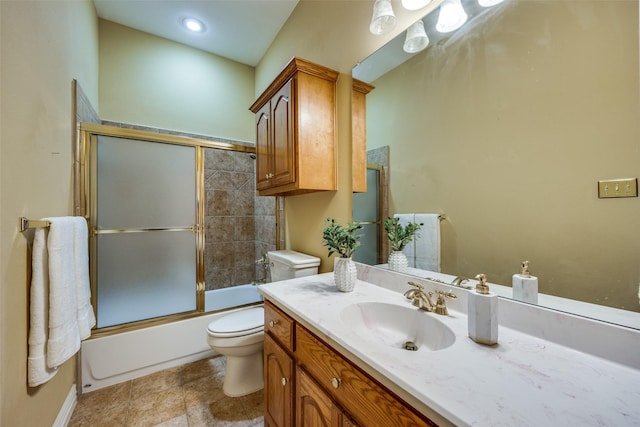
(523, 381)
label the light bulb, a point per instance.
(452, 16)
(383, 19)
(416, 39)
(193, 24)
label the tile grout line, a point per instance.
(126, 418)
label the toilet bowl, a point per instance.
(239, 335)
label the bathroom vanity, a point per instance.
(322, 376)
(339, 357)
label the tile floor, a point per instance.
(185, 396)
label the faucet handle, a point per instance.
(441, 302)
(415, 285)
(447, 294)
(413, 294)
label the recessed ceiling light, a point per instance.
(193, 24)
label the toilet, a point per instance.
(240, 335)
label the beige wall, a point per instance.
(334, 34)
(151, 81)
(45, 45)
(508, 129)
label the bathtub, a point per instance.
(109, 360)
(235, 296)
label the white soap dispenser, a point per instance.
(483, 313)
(525, 286)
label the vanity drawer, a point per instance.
(278, 325)
(367, 402)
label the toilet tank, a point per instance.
(287, 264)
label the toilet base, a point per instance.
(243, 375)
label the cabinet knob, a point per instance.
(272, 323)
(283, 381)
(335, 382)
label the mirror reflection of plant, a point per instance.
(400, 235)
(341, 239)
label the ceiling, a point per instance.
(240, 30)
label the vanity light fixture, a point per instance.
(489, 3)
(383, 19)
(194, 25)
(452, 16)
(415, 4)
(416, 39)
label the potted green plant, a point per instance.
(342, 240)
(399, 236)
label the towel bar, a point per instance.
(25, 223)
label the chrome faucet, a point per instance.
(423, 300)
(266, 266)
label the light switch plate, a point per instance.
(627, 187)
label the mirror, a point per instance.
(506, 126)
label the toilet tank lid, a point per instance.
(294, 259)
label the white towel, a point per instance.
(60, 311)
(86, 318)
(427, 242)
(37, 370)
(64, 334)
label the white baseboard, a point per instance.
(64, 416)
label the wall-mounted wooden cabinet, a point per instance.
(329, 389)
(359, 134)
(295, 131)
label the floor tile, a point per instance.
(181, 421)
(203, 392)
(213, 367)
(156, 382)
(155, 408)
(186, 396)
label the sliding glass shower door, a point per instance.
(145, 216)
(367, 210)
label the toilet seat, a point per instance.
(243, 322)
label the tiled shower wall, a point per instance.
(240, 226)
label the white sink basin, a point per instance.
(394, 325)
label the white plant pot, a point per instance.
(345, 274)
(398, 261)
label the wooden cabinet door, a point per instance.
(284, 150)
(278, 392)
(263, 141)
(314, 408)
(364, 400)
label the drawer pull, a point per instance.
(272, 323)
(283, 381)
(335, 382)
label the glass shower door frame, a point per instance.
(85, 204)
